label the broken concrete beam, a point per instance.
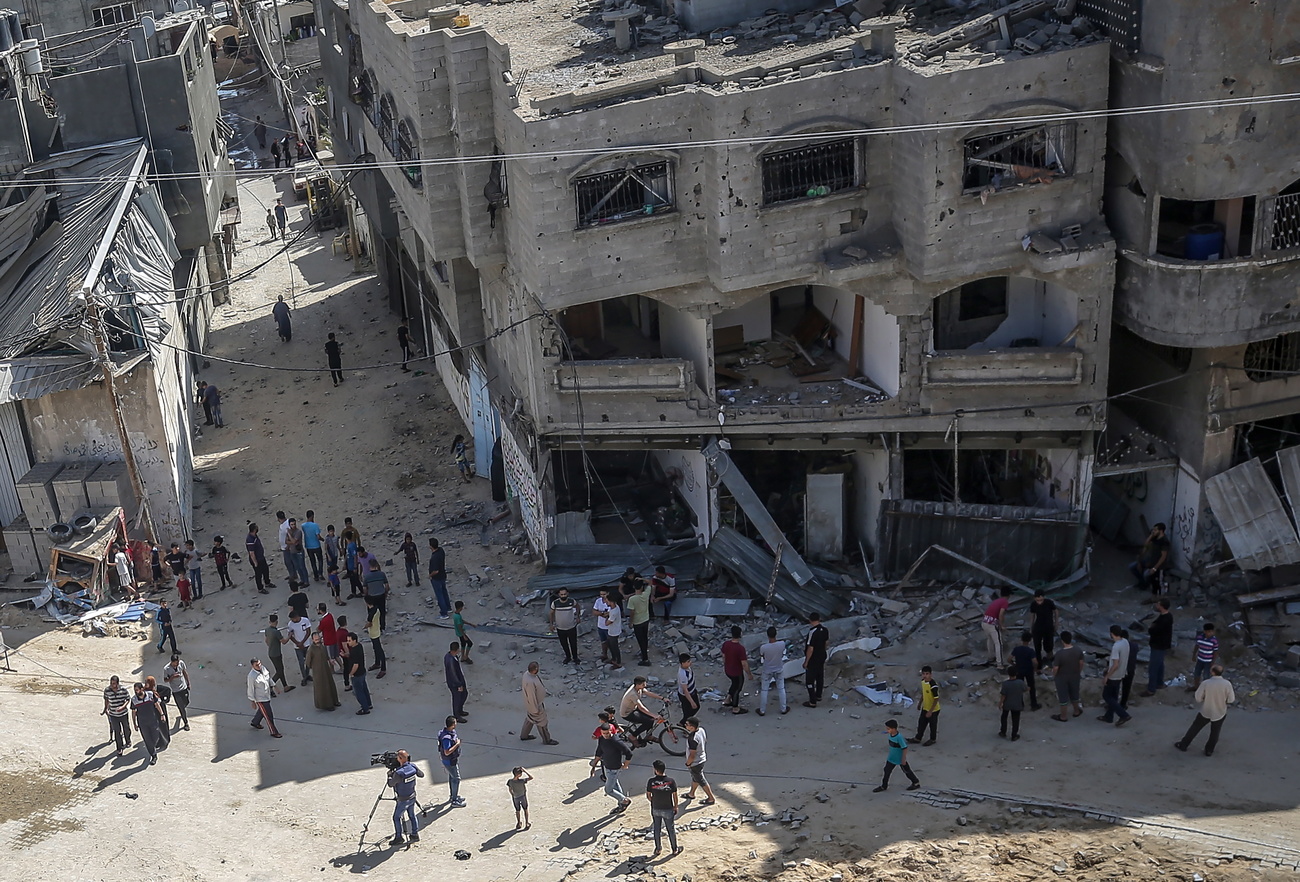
(892, 606)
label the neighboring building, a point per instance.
(56, 17)
(614, 294)
(1206, 210)
(285, 36)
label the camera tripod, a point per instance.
(365, 828)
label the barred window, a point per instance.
(1273, 359)
(1034, 155)
(408, 154)
(387, 117)
(619, 195)
(368, 92)
(809, 172)
(1286, 218)
(122, 13)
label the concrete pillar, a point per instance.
(622, 19)
(684, 51)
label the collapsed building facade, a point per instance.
(865, 257)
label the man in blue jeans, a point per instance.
(1116, 670)
(311, 542)
(402, 780)
(449, 749)
(357, 671)
(1162, 640)
(438, 578)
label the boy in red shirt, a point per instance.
(735, 664)
(329, 635)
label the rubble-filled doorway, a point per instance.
(1019, 477)
(625, 496)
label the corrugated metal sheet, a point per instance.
(1025, 544)
(40, 375)
(752, 567)
(1288, 463)
(14, 462)
(1255, 524)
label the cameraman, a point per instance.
(402, 780)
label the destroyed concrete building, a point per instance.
(1207, 320)
(864, 254)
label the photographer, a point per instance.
(402, 780)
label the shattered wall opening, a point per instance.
(1015, 157)
(1043, 478)
(623, 327)
(1212, 229)
(622, 496)
(1005, 311)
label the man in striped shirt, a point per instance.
(116, 700)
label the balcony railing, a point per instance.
(658, 376)
(1006, 367)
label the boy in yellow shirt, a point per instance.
(929, 708)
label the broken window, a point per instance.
(1206, 229)
(1273, 359)
(1033, 155)
(408, 154)
(1286, 218)
(809, 172)
(387, 117)
(104, 16)
(618, 195)
(188, 61)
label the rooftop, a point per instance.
(568, 48)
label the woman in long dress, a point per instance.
(324, 693)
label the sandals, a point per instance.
(1059, 718)
(739, 710)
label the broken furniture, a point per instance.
(622, 19)
(85, 562)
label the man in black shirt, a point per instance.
(334, 358)
(298, 602)
(814, 659)
(1046, 619)
(1153, 558)
(1161, 636)
(662, 793)
(176, 559)
(404, 344)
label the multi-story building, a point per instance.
(1205, 205)
(867, 254)
(284, 32)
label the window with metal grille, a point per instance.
(1286, 218)
(620, 195)
(189, 64)
(1033, 155)
(1273, 359)
(408, 154)
(122, 13)
(387, 116)
(1120, 19)
(809, 172)
(368, 102)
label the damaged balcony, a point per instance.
(627, 359)
(806, 351)
(1005, 330)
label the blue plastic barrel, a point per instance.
(1204, 242)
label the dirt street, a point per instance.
(1079, 801)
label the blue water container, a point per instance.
(1204, 242)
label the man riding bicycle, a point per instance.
(630, 708)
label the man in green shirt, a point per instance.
(459, 623)
(638, 610)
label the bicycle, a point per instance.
(668, 735)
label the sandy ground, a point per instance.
(228, 802)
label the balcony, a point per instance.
(669, 377)
(1200, 303)
(1004, 367)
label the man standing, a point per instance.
(404, 344)
(772, 657)
(1161, 636)
(149, 720)
(564, 616)
(613, 631)
(164, 619)
(449, 750)
(295, 554)
(275, 641)
(686, 693)
(735, 664)
(334, 358)
(402, 780)
(455, 682)
(212, 403)
(257, 560)
(259, 132)
(177, 678)
(1045, 622)
(260, 692)
(377, 593)
(696, 740)
(814, 659)
(275, 152)
(117, 702)
(994, 616)
(661, 791)
(280, 311)
(535, 706)
(281, 220)
(929, 717)
(311, 544)
(1115, 673)
(638, 613)
(202, 400)
(1126, 685)
(1025, 661)
(1067, 673)
(124, 577)
(600, 609)
(356, 662)
(614, 757)
(287, 151)
(1214, 695)
(438, 578)
(299, 634)
(329, 632)
(194, 567)
(1151, 560)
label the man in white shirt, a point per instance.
(614, 630)
(1116, 671)
(1213, 695)
(601, 608)
(632, 709)
(772, 671)
(260, 692)
(695, 760)
(283, 535)
(298, 633)
(124, 577)
(177, 678)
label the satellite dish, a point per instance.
(148, 26)
(180, 6)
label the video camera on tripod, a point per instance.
(388, 759)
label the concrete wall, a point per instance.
(880, 347)
(693, 486)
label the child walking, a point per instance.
(518, 786)
(220, 555)
(461, 456)
(1011, 702)
(458, 621)
(897, 758)
(336, 586)
(929, 718)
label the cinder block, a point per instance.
(36, 494)
(109, 487)
(44, 545)
(70, 487)
(22, 551)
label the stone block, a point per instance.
(36, 494)
(1293, 658)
